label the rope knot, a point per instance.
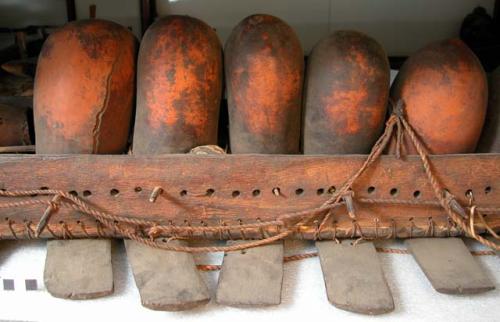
(398, 109)
(154, 232)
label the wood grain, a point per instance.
(233, 189)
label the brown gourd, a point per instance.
(179, 86)
(444, 90)
(264, 74)
(346, 91)
(14, 125)
(84, 89)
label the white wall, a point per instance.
(21, 13)
(309, 18)
(124, 12)
(401, 26)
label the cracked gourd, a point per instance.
(84, 89)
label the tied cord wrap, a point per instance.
(289, 222)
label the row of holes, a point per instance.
(276, 191)
(236, 221)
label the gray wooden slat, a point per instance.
(251, 277)
(79, 269)
(354, 278)
(449, 265)
(167, 280)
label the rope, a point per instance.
(437, 188)
(288, 222)
(298, 257)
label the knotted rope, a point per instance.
(288, 222)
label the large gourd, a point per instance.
(444, 90)
(14, 126)
(179, 86)
(346, 91)
(84, 89)
(264, 73)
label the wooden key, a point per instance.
(79, 269)
(167, 280)
(251, 277)
(354, 278)
(449, 265)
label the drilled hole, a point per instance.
(137, 189)
(73, 193)
(394, 191)
(114, 192)
(210, 192)
(417, 194)
(331, 190)
(276, 191)
(469, 193)
(44, 188)
(320, 191)
(183, 193)
(256, 193)
(235, 193)
(299, 191)
(371, 189)
(487, 190)
(87, 193)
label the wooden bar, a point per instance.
(449, 266)
(221, 190)
(354, 278)
(167, 281)
(79, 269)
(251, 277)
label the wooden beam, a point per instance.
(223, 190)
(148, 14)
(70, 10)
